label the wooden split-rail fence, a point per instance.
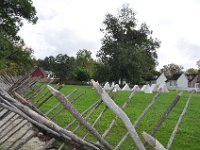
(21, 119)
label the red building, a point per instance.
(39, 72)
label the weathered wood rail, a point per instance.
(21, 99)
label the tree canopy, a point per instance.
(61, 66)
(128, 50)
(64, 67)
(15, 57)
(168, 68)
(84, 65)
(12, 12)
(191, 71)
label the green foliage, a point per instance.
(84, 62)
(12, 12)
(170, 67)
(102, 72)
(129, 51)
(64, 67)
(15, 57)
(191, 71)
(47, 63)
(82, 75)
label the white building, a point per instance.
(178, 80)
(154, 87)
(158, 80)
(161, 79)
(143, 87)
(163, 88)
(147, 89)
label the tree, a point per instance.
(82, 75)
(101, 72)
(83, 57)
(170, 67)
(15, 57)
(84, 65)
(47, 63)
(12, 12)
(191, 71)
(129, 51)
(63, 67)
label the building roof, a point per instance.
(174, 77)
(191, 77)
(38, 72)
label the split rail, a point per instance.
(22, 97)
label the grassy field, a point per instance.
(187, 137)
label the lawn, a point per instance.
(187, 137)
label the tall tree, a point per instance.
(129, 50)
(170, 67)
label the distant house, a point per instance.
(177, 80)
(159, 79)
(193, 79)
(50, 74)
(39, 72)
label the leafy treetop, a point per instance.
(128, 51)
(15, 57)
(12, 12)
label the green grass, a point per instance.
(187, 137)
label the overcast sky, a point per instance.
(66, 26)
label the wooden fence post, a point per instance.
(153, 142)
(120, 113)
(78, 116)
(179, 121)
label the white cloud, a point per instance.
(65, 26)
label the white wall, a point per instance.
(173, 83)
(161, 79)
(182, 81)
